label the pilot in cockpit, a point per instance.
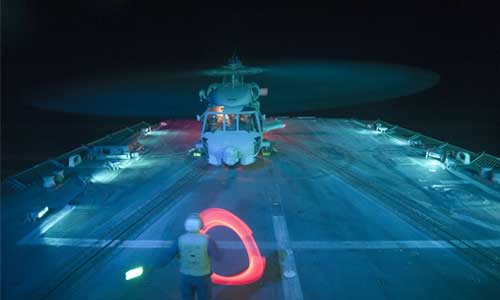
(212, 125)
(244, 123)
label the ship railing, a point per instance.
(478, 161)
(34, 174)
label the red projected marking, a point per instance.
(214, 217)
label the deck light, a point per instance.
(42, 212)
(133, 273)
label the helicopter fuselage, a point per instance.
(233, 126)
(231, 136)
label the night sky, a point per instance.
(60, 42)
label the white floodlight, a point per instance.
(43, 212)
(133, 273)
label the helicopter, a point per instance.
(233, 126)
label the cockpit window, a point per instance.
(248, 122)
(242, 121)
(230, 121)
(214, 123)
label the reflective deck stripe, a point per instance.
(292, 289)
(300, 245)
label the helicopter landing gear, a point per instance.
(197, 151)
(266, 148)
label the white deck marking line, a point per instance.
(146, 244)
(83, 243)
(289, 276)
(389, 245)
(299, 245)
(46, 225)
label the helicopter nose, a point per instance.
(230, 156)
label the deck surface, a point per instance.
(339, 212)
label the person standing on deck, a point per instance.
(196, 250)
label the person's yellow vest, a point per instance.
(193, 251)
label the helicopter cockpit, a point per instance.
(231, 136)
(240, 121)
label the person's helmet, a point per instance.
(193, 223)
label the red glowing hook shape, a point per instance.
(214, 217)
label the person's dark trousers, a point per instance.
(200, 285)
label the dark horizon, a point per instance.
(55, 44)
(54, 41)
